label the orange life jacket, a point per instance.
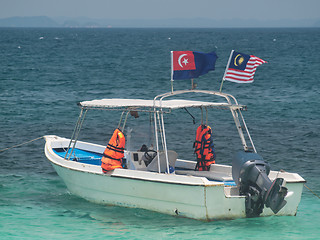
(114, 152)
(204, 148)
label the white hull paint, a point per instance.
(188, 196)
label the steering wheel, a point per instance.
(149, 155)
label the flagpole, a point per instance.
(171, 71)
(225, 72)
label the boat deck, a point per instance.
(79, 155)
(93, 158)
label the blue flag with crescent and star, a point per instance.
(189, 64)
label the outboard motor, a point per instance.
(250, 173)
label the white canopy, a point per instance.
(140, 103)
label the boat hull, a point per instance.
(164, 197)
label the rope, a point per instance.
(311, 191)
(303, 185)
(18, 145)
(2, 150)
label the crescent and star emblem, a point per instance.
(185, 61)
(238, 62)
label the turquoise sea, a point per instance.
(45, 72)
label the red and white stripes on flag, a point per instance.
(241, 67)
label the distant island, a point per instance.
(41, 21)
(83, 22)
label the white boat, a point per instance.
(168, 184)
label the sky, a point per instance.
(164, 9)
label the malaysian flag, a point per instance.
(241, 67)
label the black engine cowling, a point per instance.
(250, 173)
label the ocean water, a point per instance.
(45, 72)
